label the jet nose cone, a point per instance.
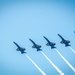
(57, 34)
(29, 38)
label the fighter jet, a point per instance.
(66, 42)
(20, 48)
(74, 31)
(52, 44)
(35, 45)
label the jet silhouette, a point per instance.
(35, 45)
(20, 48)
(52, 44)
(66, 42)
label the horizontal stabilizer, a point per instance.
(39, 49)
(52, 47)
(23, 52)
(67, 45)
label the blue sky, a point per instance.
(21, 20)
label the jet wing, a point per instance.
(46, 39)
(32, 41)
(16, 44)
(60, 36)
(53, 43)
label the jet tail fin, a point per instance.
(67, 45)
(53, 47)
(23, 52)
(39, 50)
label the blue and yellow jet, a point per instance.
(66, 42)
(20, 48)
(36, 46)
(52, 44)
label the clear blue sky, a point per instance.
(21, 20)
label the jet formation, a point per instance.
(38, 47)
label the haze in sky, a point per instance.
(21, 20)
